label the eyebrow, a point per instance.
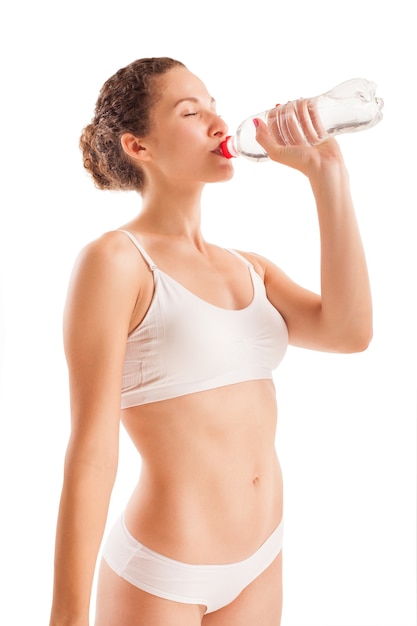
(191, 99)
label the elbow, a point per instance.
(89, 458)
(362, 343)
(356, 340)
(364, 333)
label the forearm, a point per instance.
(81, 521)
(345, 291)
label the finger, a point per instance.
(274, 128)
(270, 143)
(289, 125)
(283, 128)
(306, 122)
(264, 135)
(313, 114)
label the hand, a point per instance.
(305, 158)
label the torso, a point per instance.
(210, 489)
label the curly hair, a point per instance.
(123, 106)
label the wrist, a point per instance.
(327, 171)
(68, 617)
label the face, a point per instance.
(186, 132)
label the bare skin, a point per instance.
(210, 489)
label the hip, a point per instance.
(209, 517)
(211, 586)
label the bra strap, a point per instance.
(143, 252)
(239, 256)
(153, 265)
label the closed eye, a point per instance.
(190, 114)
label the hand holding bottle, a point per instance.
(304, 158)
(349, 107)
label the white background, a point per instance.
(346, 434)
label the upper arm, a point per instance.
(101, 298)
(300, 307)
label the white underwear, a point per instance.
(212, 586)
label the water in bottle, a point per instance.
(349, 107)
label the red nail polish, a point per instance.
(256, 122)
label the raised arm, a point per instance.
(101, 298)
(340, 318)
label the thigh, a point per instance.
(121, 604)
(259, 603)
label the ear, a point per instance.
(134, 147)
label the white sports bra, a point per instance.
(185, 344)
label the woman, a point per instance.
(184, 335)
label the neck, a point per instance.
(175, 211)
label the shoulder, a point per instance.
(113, 247)
(108, 280)
(108, 270)
(112, 255)
(274, 278)
(259, 262)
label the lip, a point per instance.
(218, 151)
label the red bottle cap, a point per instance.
(226, 147)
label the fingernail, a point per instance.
(256, 122)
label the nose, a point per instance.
(218, 127)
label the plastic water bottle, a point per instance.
(349, 107)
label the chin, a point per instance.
(222, 177)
